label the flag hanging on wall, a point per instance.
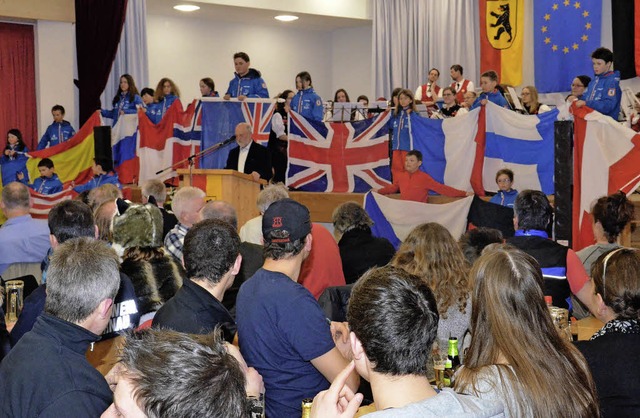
(625, 17)
(565, 34)
(502, 39)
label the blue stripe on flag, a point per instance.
(125, 149)
(428, 138)
(219, 120)
(381, 227)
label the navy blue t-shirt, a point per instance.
(281, 328)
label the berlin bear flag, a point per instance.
(606, 156)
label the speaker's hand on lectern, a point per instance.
(256, 175)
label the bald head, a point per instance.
(218, 209)
(15, 200)
(243, 134)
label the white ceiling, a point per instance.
(248, 16)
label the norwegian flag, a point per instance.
(258, 115)
(42, 203)
(338, 157)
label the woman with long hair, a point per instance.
(306, 101)
(126, 101)
(400, 124)
(14, 158)
(530, 101)
(516, 355)
(613, 353)
(165, 94)
(278, 140)
(430, 252)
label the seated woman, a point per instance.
(450, 108)
(613, 353)
(359, 249)
(530, 101)
(506, 195)
(341, 114)
(516, 354)
(430, 252)
(578, 87)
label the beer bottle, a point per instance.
(306, 407)
(453, 362)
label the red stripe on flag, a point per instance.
(81, 135)
(490, 57)
(636, 19)
(42, 203)
(582, 233)
(478, 161)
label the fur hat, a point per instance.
(137, 226)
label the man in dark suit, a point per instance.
(249, 157)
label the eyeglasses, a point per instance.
(577, 85)
(447, 94)
(524, 93)
(504, 181)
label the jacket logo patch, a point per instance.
(612, 92)
(277, 222)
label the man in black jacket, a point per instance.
(47, 373)
(249, 157)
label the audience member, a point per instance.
(126, 100)
(460, 85)
(431, 253)
(105, 193)
(278, 139)
(562, 270)
(156, 276)
(283, 332)
(306, 101)
(104, 215)
(169, 374)
(58, 132)
(252, 257)
(578, 87)
(14, 158)
(603, 93)
(67, 220)
(474, 241)
(186, 205)
(208, 87)
(251, 231)
(211, 260)
(490, 92)
(393, 320)
(429, 93)
(247, 82)
(249, 157)
(506, 195)
(102, 174)
(400, 129)
(165, 94)
(613, 353)
(515, 348)
(530, 101)
(414, 184)
(48, 182)
(22, 238)
(46, 373)
(156, 189)
(323, 267)
(359, 249)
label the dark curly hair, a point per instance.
(613, 212)
(619, 283)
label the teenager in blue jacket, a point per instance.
(489, 83)
(102, 175)
(247, 82)
(14, 158)
(306, 101)
(58, 132)
(126, 101)
(506, 195)
(48, 182)
(166, 93)
(603, 93)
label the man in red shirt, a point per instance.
(415, 184)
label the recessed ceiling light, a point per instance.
(186, 7)
(286, 18)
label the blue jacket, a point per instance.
(11, 166)
(505, 198)
(46, 185)
(97, 181)
(250, 85)
(155, 111)
(400, 126)
(494, 96)
(123, 104)
(308, 104)
(603, 94)
(55, 134)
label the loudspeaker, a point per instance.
(102, 141)
(563, 180)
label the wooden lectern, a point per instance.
(233, 187)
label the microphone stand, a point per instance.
(192, 158)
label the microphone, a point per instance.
(228, 141)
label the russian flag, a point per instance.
(124, 144)
(522, 143)
(606, 156)
(445, 145)
(394, 218)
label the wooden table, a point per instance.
(587, 327)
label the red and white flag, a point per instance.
(607, 159)
(42, 203)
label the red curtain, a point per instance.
(18, 83)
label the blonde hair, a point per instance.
(158, 95)
(430, 252)
(510, 323)
(535, 104)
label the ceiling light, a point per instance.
(186, 7)
(286, 18)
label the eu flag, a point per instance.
(566, 32)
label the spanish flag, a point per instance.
(501, 39)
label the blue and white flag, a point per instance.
(394, 219)
(522, 143)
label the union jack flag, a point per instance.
(258, 115)
(338, 157)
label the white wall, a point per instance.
(55, 68)
(187, 50)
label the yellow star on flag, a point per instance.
(544, 29)
(567, 2)
(547, 17)
(565, 50)
(555, 6)
(588, 26)
(576, 5)
(554, 48)
(574, 46)
(547, 40)
(585, 13)
(585, 38)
